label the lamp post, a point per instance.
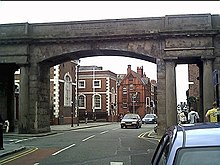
(133, 101)
(72, 114)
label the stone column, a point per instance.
(161, 97)
(171, 112)
(208, 88)
(23, 100)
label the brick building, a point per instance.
(193, 76)
(62, 92)
(193, 93)
(136, 93)
(97, 93)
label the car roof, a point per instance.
(193, 135)
(198, 134)
(150, 114)
(131, 114)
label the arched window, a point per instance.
(97, 101)
(67, 89)
(81, 101)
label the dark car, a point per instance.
(149, 118)
(133, 120)
(189, 144)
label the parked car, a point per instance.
(194, 144)
(149, 118)
(133, 120)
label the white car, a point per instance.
(131, 120)
(149, 118)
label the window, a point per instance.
(97, 101)
(81, 101)
(198, 155)
(124, 91)
(96, 83)
(67, 90)
(131, 87)
(124, 105)
(81, 84)
(147, 101)
(161, 154)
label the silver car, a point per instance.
(149, 118)
(133, 120)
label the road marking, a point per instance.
(9, 159)
(18, 141)
(63, 149)
(88, 138)
(142, 135)
(103, 132)
(116, 163)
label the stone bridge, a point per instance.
(165, 41)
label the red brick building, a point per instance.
(97, 93)
(193, 76)
(135, 93)
(62, 92)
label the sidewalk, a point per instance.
(12, 147)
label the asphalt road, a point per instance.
(106, 145)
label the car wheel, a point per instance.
(137, 126)
(121, 126)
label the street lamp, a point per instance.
(72, 114)
(133, 100)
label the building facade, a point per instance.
(63, 92)
(136, 94)
(97, 93)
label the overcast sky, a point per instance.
(62, 11)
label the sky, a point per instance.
(63, 11)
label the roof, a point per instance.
(193, 135)
(199, 134)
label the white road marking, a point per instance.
(116, 163)
(103, 132)
(18, 141)
(88, 138)
(63, 149)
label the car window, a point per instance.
(198, 156)
(161, 153)
(130, 116)
(149, 116)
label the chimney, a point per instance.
(140, 71)
(129, 69)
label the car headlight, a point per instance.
(134, 122)
(122, 122)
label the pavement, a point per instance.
(12, 147)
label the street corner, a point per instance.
(10, 149)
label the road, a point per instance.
(106, 145)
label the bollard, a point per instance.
(1, 136)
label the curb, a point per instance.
(14, 151)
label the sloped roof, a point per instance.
(143, 80)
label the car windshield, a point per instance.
(130, 116)
(198, 156)
(149, 116)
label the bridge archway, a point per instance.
(165, 41)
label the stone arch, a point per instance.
(57, 59)
(162, 40)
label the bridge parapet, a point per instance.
(111, 28)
